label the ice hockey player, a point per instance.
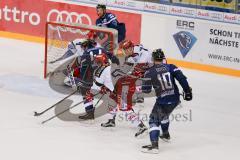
(103, 82)
(137, 54)
(109, 20)
(140, 58)
(87, 69)
(163, 81)
(76, 47)
(85, 49)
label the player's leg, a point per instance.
(112, 111)
(88, 105)
(134, 117)
(166, 111)
(159, 112)
(154, 131)
(165, 126)
(86, 75)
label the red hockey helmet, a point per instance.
(126, 44)
(101, 59)
(127, 47)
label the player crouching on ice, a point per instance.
(103, 82)
(163, 81)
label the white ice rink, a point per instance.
(211, 130)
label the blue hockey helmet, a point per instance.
(158, 55)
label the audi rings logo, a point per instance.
(55, 15)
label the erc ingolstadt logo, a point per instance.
(185, 41)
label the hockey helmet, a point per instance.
(158, 55)
(126, 44)
(101, 59)
(88, 43)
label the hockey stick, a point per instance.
(67, 109)
(38, 114)
(119, 72)
(99, 100)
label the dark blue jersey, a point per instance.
(163, 81)
(109, 20)
(88, 55)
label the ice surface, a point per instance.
(206, 128)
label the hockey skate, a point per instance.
(109, 123)
(152, 148)
(141, 129)
(165, 136)
(88, 116)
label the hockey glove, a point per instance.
(138, 73)
(187, 95)
(89, 96)
(115, 60)
(104, 90)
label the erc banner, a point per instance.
(24, 17)
(202, 42)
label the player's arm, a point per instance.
(112, 57)
(147, 85)
(101, 80)
(182, 79)
(111, 21)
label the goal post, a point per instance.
(58, 36)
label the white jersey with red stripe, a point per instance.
(102, 76)
(140, 55)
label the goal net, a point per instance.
(58, 36)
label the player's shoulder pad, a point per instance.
(99, 71)
(137, 48)
(110, 15)
(173, 68)
(98, 21)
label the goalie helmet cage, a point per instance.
(58, 36)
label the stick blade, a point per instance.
(36, 114)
